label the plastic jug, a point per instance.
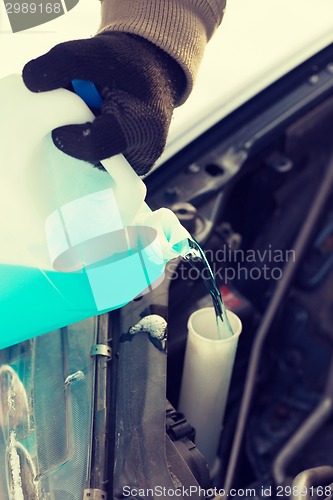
(75, 241)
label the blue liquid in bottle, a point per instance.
(35, 301)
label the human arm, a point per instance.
(143, 61)
(181, 28)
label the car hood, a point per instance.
(257, 43)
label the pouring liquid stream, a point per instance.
(197, 259)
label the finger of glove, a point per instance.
(92, 141)
(63, 63)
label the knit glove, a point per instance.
(139, 83)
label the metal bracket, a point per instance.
(101, 350)
(94, 494)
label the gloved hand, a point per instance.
(139, 83)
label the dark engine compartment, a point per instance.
(249, 192)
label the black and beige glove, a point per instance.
(139, 83)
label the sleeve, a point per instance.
(179, 27)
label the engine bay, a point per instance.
(248, 201)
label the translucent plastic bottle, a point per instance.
(75, 241)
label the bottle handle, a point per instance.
(88, 92)
(117, 166)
